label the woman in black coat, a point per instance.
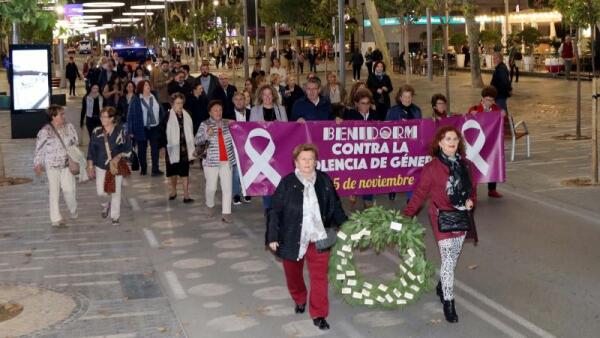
(196, 103)
(380, 85)
(305, 210)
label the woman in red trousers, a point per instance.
(447, 182)
(305, 205)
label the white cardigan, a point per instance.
(173, 138)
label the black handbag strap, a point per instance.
(60, 138)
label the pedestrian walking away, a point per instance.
(51, 156)
(501, 81)
(108, 146)
(306, 197)
(447, 182)
(72, 74)
(357, 61)
(369, 60)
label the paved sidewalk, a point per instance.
(168, 271)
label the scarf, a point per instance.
(458, 186)
(312, 224)
(174, 135)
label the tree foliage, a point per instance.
(36, 24)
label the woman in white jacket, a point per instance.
(180, 146)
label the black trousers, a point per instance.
(356, 71)
(152, 137)
(492, 186)
(313, 67)
(301, 67)
(514, 70)
(369, 67)
(72, 86)
(91, 123)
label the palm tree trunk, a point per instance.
(578, 105)
(380, 40)
(473, 29)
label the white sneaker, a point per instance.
(74, 215)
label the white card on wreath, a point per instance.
(401, 302)
(346, 291)
(382, 287)
(368, 301)
(389, 298)
(357, 236)
(368, 285)
(342, 235)
(351, 282)
(396, 226)
(344, 261)
(380, 299)
(367, 293)
(350, 273)
(357, 295)
(341, 254)
(340, 276)
(408, 295)
(415, 288)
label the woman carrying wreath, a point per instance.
(447, 182)
(305, 205)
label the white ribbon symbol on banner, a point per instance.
(473, 150)
(260, 162)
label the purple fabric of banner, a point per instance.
(363, 157)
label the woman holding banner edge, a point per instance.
(448, 182)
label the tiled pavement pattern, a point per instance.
(216, 280)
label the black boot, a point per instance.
(439, 291)
(450, 311)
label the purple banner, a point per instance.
(363, 157)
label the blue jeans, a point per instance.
(236, 184)
(267, 201)
(152, 136)
(501, 102)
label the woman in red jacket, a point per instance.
(446, 181)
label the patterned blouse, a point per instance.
(49, 152)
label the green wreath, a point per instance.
(378, 228)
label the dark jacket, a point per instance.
(118, 143)
(72, 72)
(197, 108)
(123, 107)
(285, 216)
(289, 100)
(84, 108)
(212, 93)
(103, 77)
(312, 56)
(432, 186)
(501, 80)
(135, 118)
(401, 112)
(227, 97)
(381, 100)
(304, 108)
(357, 59)
(353, 114)
(174, 87)
(377, 55)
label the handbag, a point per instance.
(134, 160)
(74, 166)
(454, 220)
(326, 243)
(114, 169)
(201, 150)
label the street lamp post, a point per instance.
(194, 36)
(256, 25)
(246, 67)
(166, 26)
(342, 43)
